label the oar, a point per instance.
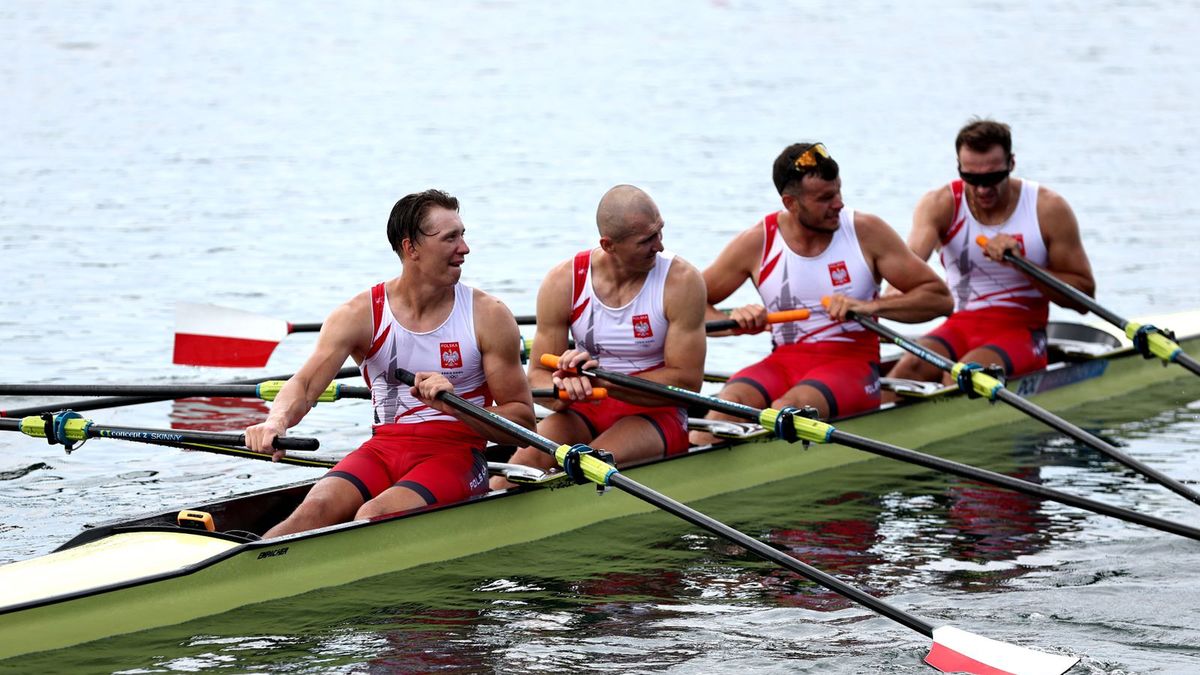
(974, 381)
(67, 427)
(266, 391)
(1149, 340)
(598, 393)
(247, 453)
(99, 403)
(774, 317)
(210, 335)
(954, 650)
(790, 424)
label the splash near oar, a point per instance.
(792, 425)
(1150, 340)
(974, 382)
(954, 650)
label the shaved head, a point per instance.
(620, 207)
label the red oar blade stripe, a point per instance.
(222, 352)
(957, 651)
(208, 335)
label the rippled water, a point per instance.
(248, 156)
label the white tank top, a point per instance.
(787, 280)
(628, 339)
(979, 282)
(450, 349)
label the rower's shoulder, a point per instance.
(936, 205)
(489, 306)
(1050, 201)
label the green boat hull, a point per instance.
(268, 570)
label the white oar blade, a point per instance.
(208, 335)
(957, 651)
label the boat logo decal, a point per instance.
(273, 553)
(1053, 379)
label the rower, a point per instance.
(455, 338)
(815, 248)
(634, 308)
(1000, 314)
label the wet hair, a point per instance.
(408, 215)
(981, 134)
(788, 176)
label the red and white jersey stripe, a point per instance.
(979, 282)
(450, 349)
(627, 339)
(787, 280)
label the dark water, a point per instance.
(248, 156)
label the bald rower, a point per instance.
(613, 301)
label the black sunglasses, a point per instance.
(983, 179)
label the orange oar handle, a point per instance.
(598, 393)
(788, 315)
(773, 317)
(982, 240)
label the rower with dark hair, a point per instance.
(453, 337)
(816, 248)
(1000, 314)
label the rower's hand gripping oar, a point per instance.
(953, 650)
(774, 317)
(791, 424)
(975, 382)
(1149, 340)
(67, 428)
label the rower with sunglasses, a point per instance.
(1000, 314)
(811, 249)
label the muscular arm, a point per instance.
(922, 296)
(931, 220)
(553, 327)
(1068, 260)
(733, 266)
(346, 331)
(499, 344)
(683, 353)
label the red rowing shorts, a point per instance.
(847, 374)
(442, 461)
(1019, 336)
(669, 422)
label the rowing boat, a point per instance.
(156, 570)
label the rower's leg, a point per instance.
(805, 395)
(738, 392)
(988, 357)
(332, 500)
(633, 439)
(393, 500)
(560, 427)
